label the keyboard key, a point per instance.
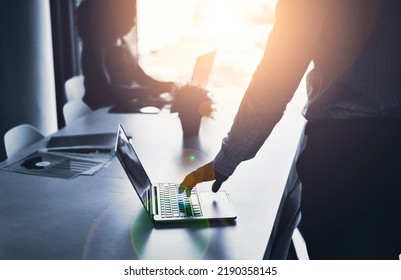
(173, 204)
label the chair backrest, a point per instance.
(75, 109)
(74, 88)
(20, 137)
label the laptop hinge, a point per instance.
(154, 201)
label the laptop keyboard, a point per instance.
(174, 204)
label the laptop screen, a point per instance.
(132, 166)
(202, 69)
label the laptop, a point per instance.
(202, 69)
(162, 200)
(82, 143)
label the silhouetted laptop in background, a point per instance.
(202, 69)
(162, 201)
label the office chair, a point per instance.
(20, 137)
(75, 109)
(74, 88)
(281, 244)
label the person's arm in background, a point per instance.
(127, 78)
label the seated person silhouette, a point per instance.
(112, 74)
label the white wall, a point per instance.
(162, 22)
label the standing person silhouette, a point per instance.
(350, 167)
(112, 74)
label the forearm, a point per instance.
(249, 131)
(287, 55)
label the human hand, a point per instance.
(202, 174)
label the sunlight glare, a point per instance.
(222, 21)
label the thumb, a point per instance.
(216, 185)
(220, 179)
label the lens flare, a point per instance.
(192, 157)
(92, 233)
(196, 238)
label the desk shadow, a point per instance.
(140, 232)
(205, 242)
(191, 142)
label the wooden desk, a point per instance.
(100, 217)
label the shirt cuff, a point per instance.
(223, 165)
